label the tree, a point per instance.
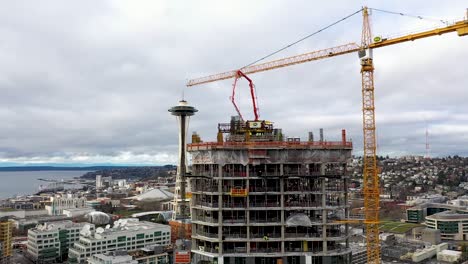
(464, 250)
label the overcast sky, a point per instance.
(91, 81)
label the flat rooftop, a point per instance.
(131, 225)
(448, 215)
(439, 205)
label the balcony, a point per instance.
(270, 235)
(235, 236)
(206, 249)
(300, 188)
(206, 234)
(206, 204)
(206, 219)
(234, 174)
(235, 250)
(265, 204)
(235, 221)
(289, 171)
(204, 188)
(265, 250)
(273, 220)
(232, 205)
(205, 173)
(303, 235)
(330, 249)
(264, 189)
(302, 204)
(299, 249)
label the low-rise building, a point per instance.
(22, 225)
(76, 212)
(452, 225)
(50, 242)
(113, 257)
(449, 256)
(58, 204)
(21, 213)
(127, 234)
(417, 214)
(154, 254)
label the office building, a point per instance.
(50, 242)
(125, 235)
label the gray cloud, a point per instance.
(91, 82)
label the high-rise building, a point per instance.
(6, 234)
(258, 197)
(98, 182)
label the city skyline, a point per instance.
(90, 83)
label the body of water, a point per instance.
(27, 182)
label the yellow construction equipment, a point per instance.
(368, 43)
(239, 192)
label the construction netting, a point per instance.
(298, 220)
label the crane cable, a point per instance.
(304, 38)
(445, 22)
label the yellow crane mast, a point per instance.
(370, 175)
(368, 43)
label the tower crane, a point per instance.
(368, 43)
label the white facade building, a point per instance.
(449, 256)
(127, 234)
(49, 242)
(98, 182)
(59, 203)
(114, 257)
(75, 212)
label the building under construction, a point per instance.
(260, 198)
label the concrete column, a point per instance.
(322, 168)
(324, 216)
(247, 211)
(220, 211)
(345, 187)
(283, 227)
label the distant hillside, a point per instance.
(131, 172)
(54, 168)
